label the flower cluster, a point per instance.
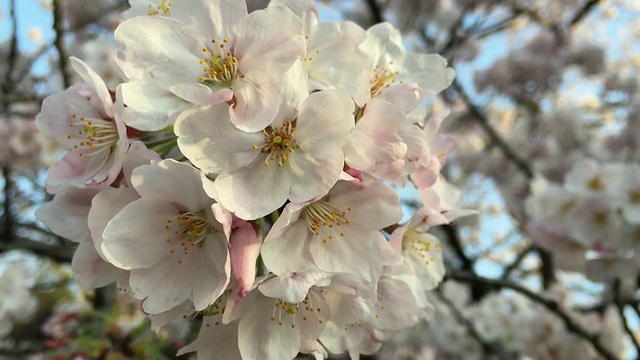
(242, 173)
(592, 221)
(498, 321)
(16, 280)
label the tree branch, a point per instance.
(583, 12)
(493, 135)
(551, 305)
(58, 27)
(375, 11)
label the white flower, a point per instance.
(170, 239)
(339, 233)
(211, 52)
(298, 157)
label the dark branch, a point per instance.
(620, 305)
(583, 12)
(376, 12)
(493, 135)
(551, 305)
(516, 262)
(58, 27)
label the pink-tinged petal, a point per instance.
(137, 155)
(311, 177)
(430, 71)
(146, 39)
(406, 97)
(293, 288)
(254, 106)
(292, 241)
(90, 270)
(135, 237)
(209, 140)
(171, 181)
(215, 341)
(378, 205)
(357, 253)
(211, 274)
(105, 205)
(244, 251)
(103, 99)
(212, 17)
(201, 94)
(74, 169)
(267, 43)
(239, 190)
(327, 42)
(324, 123)
(57, 115)
(66, 215)
(261, 338)
(305, 10)
(150, 107)
(162, 287)
(401, 309)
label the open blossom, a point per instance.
(91, 127)
(332, 57)
(214, 52)
(338, 233)
(80, 215)
(391, 65)
(170, 239)
(298, 157)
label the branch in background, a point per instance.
(493, 135)
(551, 305)
(8, 84)
(58, 27)
(375, 11)
(60, 253)
(7, 216)
(620, 305)
(486, 348)
(583, 12)
(516, 262)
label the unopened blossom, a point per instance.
(91, 127)
(170, 239)
(297, 157)
(214, 52)
(337, 233)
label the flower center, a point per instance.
(420, 245)
(381, 79)
(284, 312)
(186, 230)
(220, 65)
(323, 216)
(595, 184)
(93, 136)
(279, 143)
(163, 9)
